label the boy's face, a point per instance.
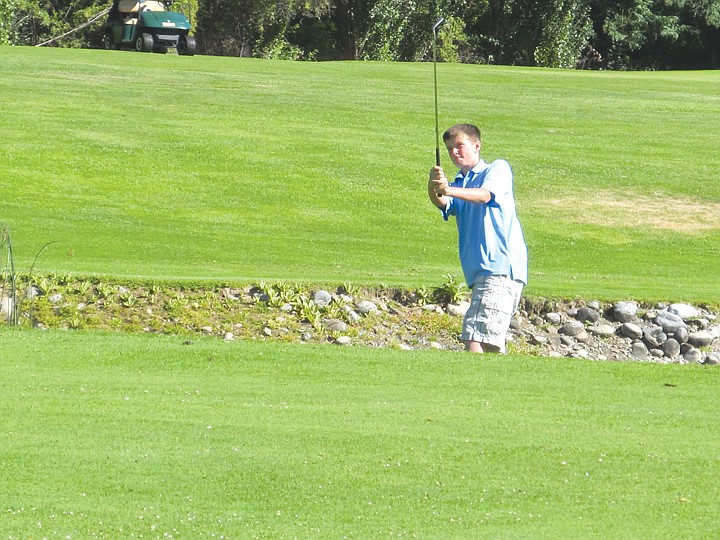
(463, 152)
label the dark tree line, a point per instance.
(586, 34)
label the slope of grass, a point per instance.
(205, 168)
(109, 435)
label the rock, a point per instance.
(322, 298)
(681, 335)
(55, 298)
(582, 336)
(6, 306)
(639, 350)
(458, 310)
(703, 338)
(32, 292)
(712, 359)
(352, 315)
(654, 336)
(366, 307)
(335, 325)
(631, 330)
(603, 330)
(553, 318)
(572, 328)
(343, 340)
(624, 311)
(229, 336)
(537, 339)
(516, 323)
(267, 331)
(684, 311)
(669, 322)
(587, 314)
(436, 345)
(671, 348)
(693, 356)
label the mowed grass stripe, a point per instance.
(203, 168)
(108, 435)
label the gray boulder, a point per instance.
(693, 356)
(669, 321)
(631, 330)
(639, 350)
(366, 306)
(682, 335)
(703, 338)
(587, 314)
(322, 298)
(654, 336)
(572, 328)
(553, 318)
(602, 330)
(624, 311)
(684, 311)
(671, 348)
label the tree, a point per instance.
(567, 30)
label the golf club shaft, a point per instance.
(437, 124)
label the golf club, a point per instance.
(437, 127)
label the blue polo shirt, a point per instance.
(490, 237)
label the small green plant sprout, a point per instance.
(83, 287)
(264, 287)
(46, 285)
(450, 292)
(423, 296)
(308, 311)
(128, 299)
(105, 290)
(349, 289)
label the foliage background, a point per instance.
(590, 34)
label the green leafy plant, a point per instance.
(450, 292)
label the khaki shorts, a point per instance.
(494, 300)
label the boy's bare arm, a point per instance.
(474, 195)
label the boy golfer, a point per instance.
(492, 246)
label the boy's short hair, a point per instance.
(471, 131)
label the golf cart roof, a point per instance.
(133, 6)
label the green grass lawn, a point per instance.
(116, 436)
(200, 169)
(207, 168)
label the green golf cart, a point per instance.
(147, 26)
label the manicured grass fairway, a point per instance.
(202, 168)
(114, 436)
(207, 169)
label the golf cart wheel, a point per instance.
(186, 45)
(144, 42)
(108, 41)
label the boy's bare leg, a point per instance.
(478, 347)
(473, 346)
